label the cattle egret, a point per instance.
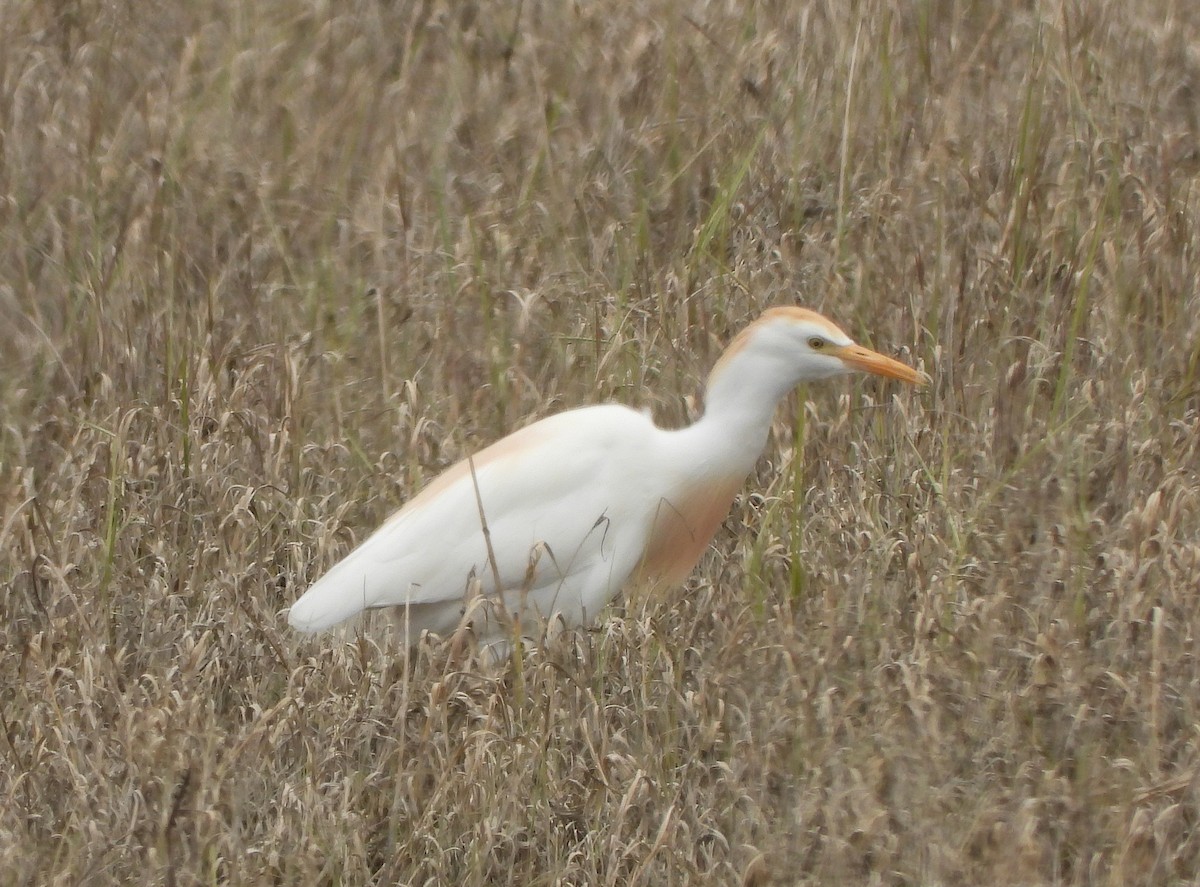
(555, 519)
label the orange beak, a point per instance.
(868, 361)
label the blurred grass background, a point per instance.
(266, 268)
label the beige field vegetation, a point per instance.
(267, 267)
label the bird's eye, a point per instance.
(816, 343)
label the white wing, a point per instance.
(568, 503)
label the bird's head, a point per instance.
(799, 345)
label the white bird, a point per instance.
(555, 519)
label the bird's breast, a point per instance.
(684, 524)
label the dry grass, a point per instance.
(267, 267)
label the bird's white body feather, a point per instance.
(578, 504)
(564, 531)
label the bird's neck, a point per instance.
(740, 401)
